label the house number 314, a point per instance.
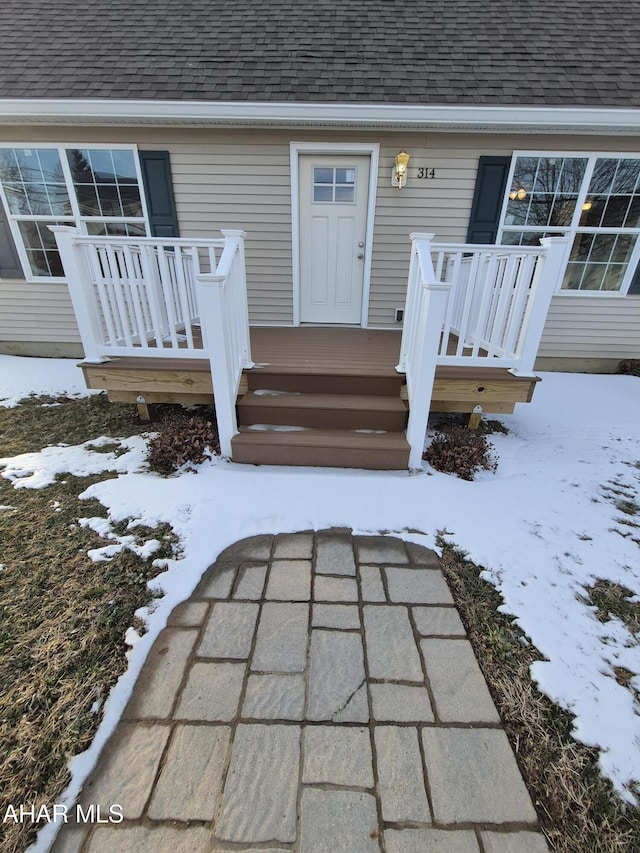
(425, 172)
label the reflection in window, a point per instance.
(334, 185)
(33, 182)
(102, 196)
(40, 246)
(105, 182)
(595, 200)
(544, 191)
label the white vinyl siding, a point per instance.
(581, 327)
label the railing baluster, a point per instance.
(134, 288)
(180, 261)
(166, 288)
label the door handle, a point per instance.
(360, 255)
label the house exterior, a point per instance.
(187, 118)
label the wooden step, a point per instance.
(307, 381)
(325, 411)
(323, 448)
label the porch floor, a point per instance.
(311, 351)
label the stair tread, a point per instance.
(324, 401)
(312, 437)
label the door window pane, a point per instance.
(334, 185)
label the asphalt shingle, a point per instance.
(581, 53)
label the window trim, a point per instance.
(80, 221)
(591, 157)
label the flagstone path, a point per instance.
(316, 694)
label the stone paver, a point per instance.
(141, 839)
(316, 694)
(334, 554)
(400, 775)
(274, 697)
(438, 622)
(128, 769)
(514, 842)
(371, 584)
(229, 631)
(191, 777)
(293, 546)
(251, 583)
(338, 822)
(259, 801)
(281, 642)
(401, 703)
(212, 692)
(417, 586)
(431, 841)
(459, 689)
(290, 580)
(474, 777)
(391, 648)
(339, 755)
(190, 614)
(335, 616)
(156, 688)
(335, 589)
(337, 685)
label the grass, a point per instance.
(62, 617)
(578, 809)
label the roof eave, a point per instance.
(523, 119)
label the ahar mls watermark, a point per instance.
(59, 813)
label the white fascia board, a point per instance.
(273, 114)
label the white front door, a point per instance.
(333, 227)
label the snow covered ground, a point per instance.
(544, 525)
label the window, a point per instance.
(97, 189)
(595, 199)
(334, 185)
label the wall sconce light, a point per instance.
(520, 194)
(399, 171)
(587, 205)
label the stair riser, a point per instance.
(321, 418)
(323, 457)
(322, 384)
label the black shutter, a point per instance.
(488, 196)
(10, 266)
(158, 188)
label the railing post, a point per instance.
(213, 318)
(434, 306)
(80, 287)
(412, 298)
(547, 277)
(240, 293)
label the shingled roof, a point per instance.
(462, 52)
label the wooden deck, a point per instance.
(313, 352)
(316, 396)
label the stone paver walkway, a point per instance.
(316, 694)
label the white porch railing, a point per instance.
(472, 305)
(173, 298)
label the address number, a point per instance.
(425, 172)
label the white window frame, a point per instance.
(80, 221)
(574, 228)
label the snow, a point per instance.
(545, 526)
(22, 377)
